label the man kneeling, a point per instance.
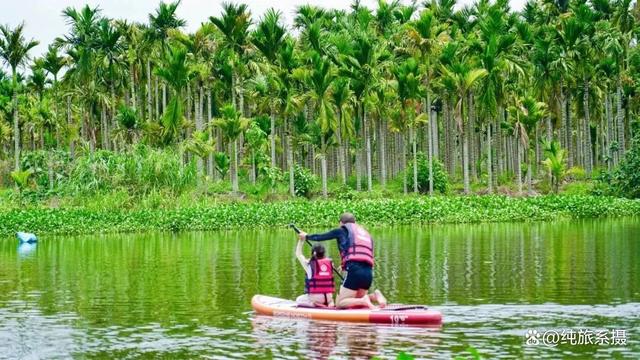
(356, 251)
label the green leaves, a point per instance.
(422, 210)
(21, 178)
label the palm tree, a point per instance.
(177, 72)
(319, 79)
(495, 46)
(462, 76)
(232, 126)
(342, 98)
(81, 47)
(526, 113)
(364, 66)
(269, 38)
(409, 92)
(555, 163)
(164, 20)
(428, 36)
(160, 23)
(234, 24)
(110, 51)
(14, 51)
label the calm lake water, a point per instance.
(188, 295)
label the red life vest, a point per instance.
(321, 281)
(360, 247)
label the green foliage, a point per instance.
(273, 175)
(139, 170)
(21, 178)
(187, 213)
(576, 173)
(41, 162)
(345, 193)
(200, 144)
(304, 181)
(127, 117)
(222, 163)
(625, 180)
(440, 177)
(555, 163)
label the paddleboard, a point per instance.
(396, 314)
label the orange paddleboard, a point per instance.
(397, 314)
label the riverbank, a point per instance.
(229, 215)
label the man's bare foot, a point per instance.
(369, 303)
(382, 301)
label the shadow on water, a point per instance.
(188, 295)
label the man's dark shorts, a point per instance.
(359, 276)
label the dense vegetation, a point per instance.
(487, 95)
(419, 210)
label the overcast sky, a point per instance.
(44, 21)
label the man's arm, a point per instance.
(330, 235)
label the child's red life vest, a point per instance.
(360, 247)
(321, 281)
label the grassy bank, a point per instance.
(414, 210)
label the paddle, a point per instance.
(295, 228)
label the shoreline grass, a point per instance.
(373, 212)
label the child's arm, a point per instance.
(303, 260)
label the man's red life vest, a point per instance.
(321, 281)
(360, 247)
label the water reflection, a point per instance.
(188, 295)
(322, 338)
(26, 250)
(327, 339)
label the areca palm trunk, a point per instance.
(272, 137)
(518, 165)
(620, 119)
(588, 152)
(571, 145)
(359, 159)
(234, 168)
(164, 96)
(157, 96)
(414, 152)
(403, 162)
(529, 171)
(465, 147)
(611, 157)
(382, 144)
(132, 80)
(200, 126)
(323, 167)
(367, 140)
(16, 123)
(210, 160)
(149, 102)
(69, 122)
(289, 150)
(430, 141)
(489, 160)
(341, 160)
(103, 126)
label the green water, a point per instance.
(188, 295)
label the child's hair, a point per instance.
(317, 252)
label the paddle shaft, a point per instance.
(295, 228)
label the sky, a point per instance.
(44, 22)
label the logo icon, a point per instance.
(533, 337)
